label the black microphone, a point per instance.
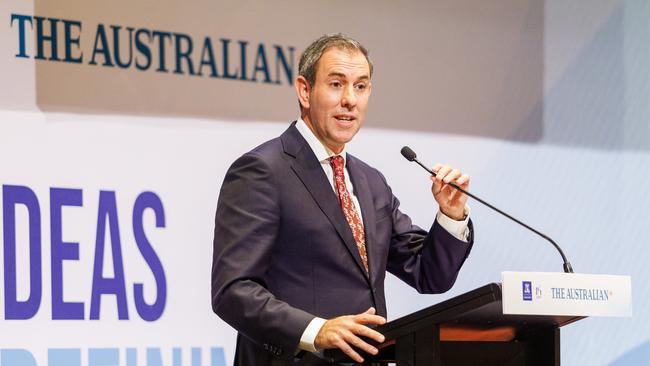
(411, 156)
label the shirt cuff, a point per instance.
(309, 335)
(459, 229)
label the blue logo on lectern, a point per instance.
(527, 290)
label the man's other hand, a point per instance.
(452, 202)
(345, 331)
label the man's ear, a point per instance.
(302, 90)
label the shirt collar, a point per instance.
(322, 152)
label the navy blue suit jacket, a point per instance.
(284, 253)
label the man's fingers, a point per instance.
(442, 172)
(364, 331)
(446, 174)
(343, 346)
(370, 311)
(463, 180)
(437, 185)
(369, 319)
(452, 176)
(353, 340)
(346, 332)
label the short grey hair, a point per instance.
(309, 60)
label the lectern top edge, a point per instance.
(440, 312)
(474, 319)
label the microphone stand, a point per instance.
(411, 156)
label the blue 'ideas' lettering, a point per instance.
(62, 252)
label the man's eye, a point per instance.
(335, 84)
(361, 86)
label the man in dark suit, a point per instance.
(305, 232)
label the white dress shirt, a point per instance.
(458, 229)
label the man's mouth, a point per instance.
(345, 118)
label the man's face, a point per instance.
(335, 106)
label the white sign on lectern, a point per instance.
(544, 293)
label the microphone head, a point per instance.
(408, 153)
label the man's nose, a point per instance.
(349, 98)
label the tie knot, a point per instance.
(336, 161)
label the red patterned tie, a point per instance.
(350, 212)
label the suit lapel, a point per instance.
(311, 174)
(363, 193)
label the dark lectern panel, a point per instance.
(474, 320)
(478, 310)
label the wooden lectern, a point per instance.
(469, 329)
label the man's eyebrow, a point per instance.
(334, 73)
(342, 75)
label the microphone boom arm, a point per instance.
(566, 265)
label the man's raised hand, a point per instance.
(452, 202)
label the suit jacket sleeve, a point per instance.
(246, 229)
(427, 261)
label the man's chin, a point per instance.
(342, 141)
